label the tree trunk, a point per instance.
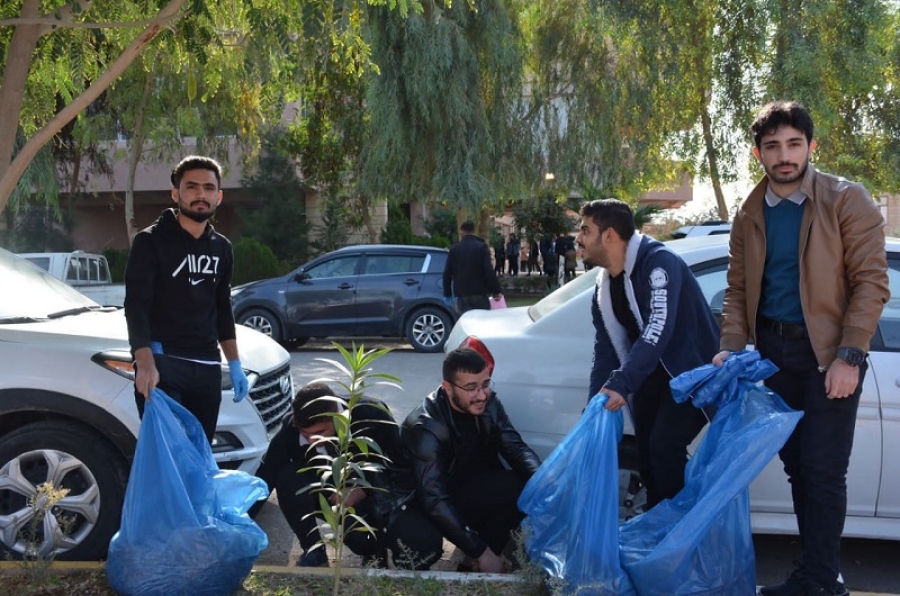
(137, 149)
(712, 157)
(12, 86)
(9, 176)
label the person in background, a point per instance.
(523, 258)
(512, 254)
(499, 255)
(646, 303)
(551, 262)
(455, 440)
(534, 252)
(178, 299)
(468, 274)
(388, 507)
(807, 281)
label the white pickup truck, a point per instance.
(88, 273)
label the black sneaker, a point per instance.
(792, 586)
(316, 557)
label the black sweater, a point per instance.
(178, 290)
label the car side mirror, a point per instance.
(301, 276)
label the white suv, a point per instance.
(67, 412)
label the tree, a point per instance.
(43, 64)
(839, 59)
(446, 107)
(29, 28)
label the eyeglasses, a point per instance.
(487, 387)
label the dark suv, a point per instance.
(365, 290)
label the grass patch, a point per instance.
(268, 583)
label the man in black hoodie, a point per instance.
(178, 299)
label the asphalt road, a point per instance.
(868, 565)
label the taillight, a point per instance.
(473, 343)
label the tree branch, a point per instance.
(53, 23)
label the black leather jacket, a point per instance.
(434, 444)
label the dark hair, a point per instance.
(467, 226)
(610, 213)
(462, 360)
(778, 114)
(196, 162)
(306, 410)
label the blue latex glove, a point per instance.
(156, 347)
(239, 380)
(448, 301)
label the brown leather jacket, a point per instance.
(843, 266)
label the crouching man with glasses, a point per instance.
(456, 439)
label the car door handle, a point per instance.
(345, 286)
(410, 282)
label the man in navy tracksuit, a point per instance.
(178, 299)
(652, 323)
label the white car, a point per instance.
(543, 359)
(67, 412)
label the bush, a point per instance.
(116, 258)
(253, 260)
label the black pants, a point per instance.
(817, 454)
(488, 503)
(413, 541)
(473, 302)
(196, 386)
(663, 429)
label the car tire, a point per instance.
(632, 492)
(75, 458)
(428, 328)
(264, 321)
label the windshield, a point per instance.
(27, 291)
(563, 294)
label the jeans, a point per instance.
(663, 429)
(488, 501)
(196, 386)
(817, 454)
(473, 302)
(413, 540)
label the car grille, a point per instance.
(272, 395)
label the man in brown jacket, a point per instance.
(807, 280)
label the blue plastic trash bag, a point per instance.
(700, 542)
(185, 528)
(572, 507)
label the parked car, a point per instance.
(543, 359)
(356, 291)
(68, 417)
(707, 228)
(86, 272)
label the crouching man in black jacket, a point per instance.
(456, 438)
(389, 507)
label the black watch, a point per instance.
(851, 356)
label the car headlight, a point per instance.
(122, 363)
(235, 292)
(227, 385)
(118, 361)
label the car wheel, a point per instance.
(263, 321)
(427, 329)
(67, 456)
(632, 492)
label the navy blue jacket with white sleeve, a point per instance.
(677, 326)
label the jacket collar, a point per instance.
(753, 206)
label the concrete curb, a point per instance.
(449, 576)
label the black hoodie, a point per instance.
(178, 290)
